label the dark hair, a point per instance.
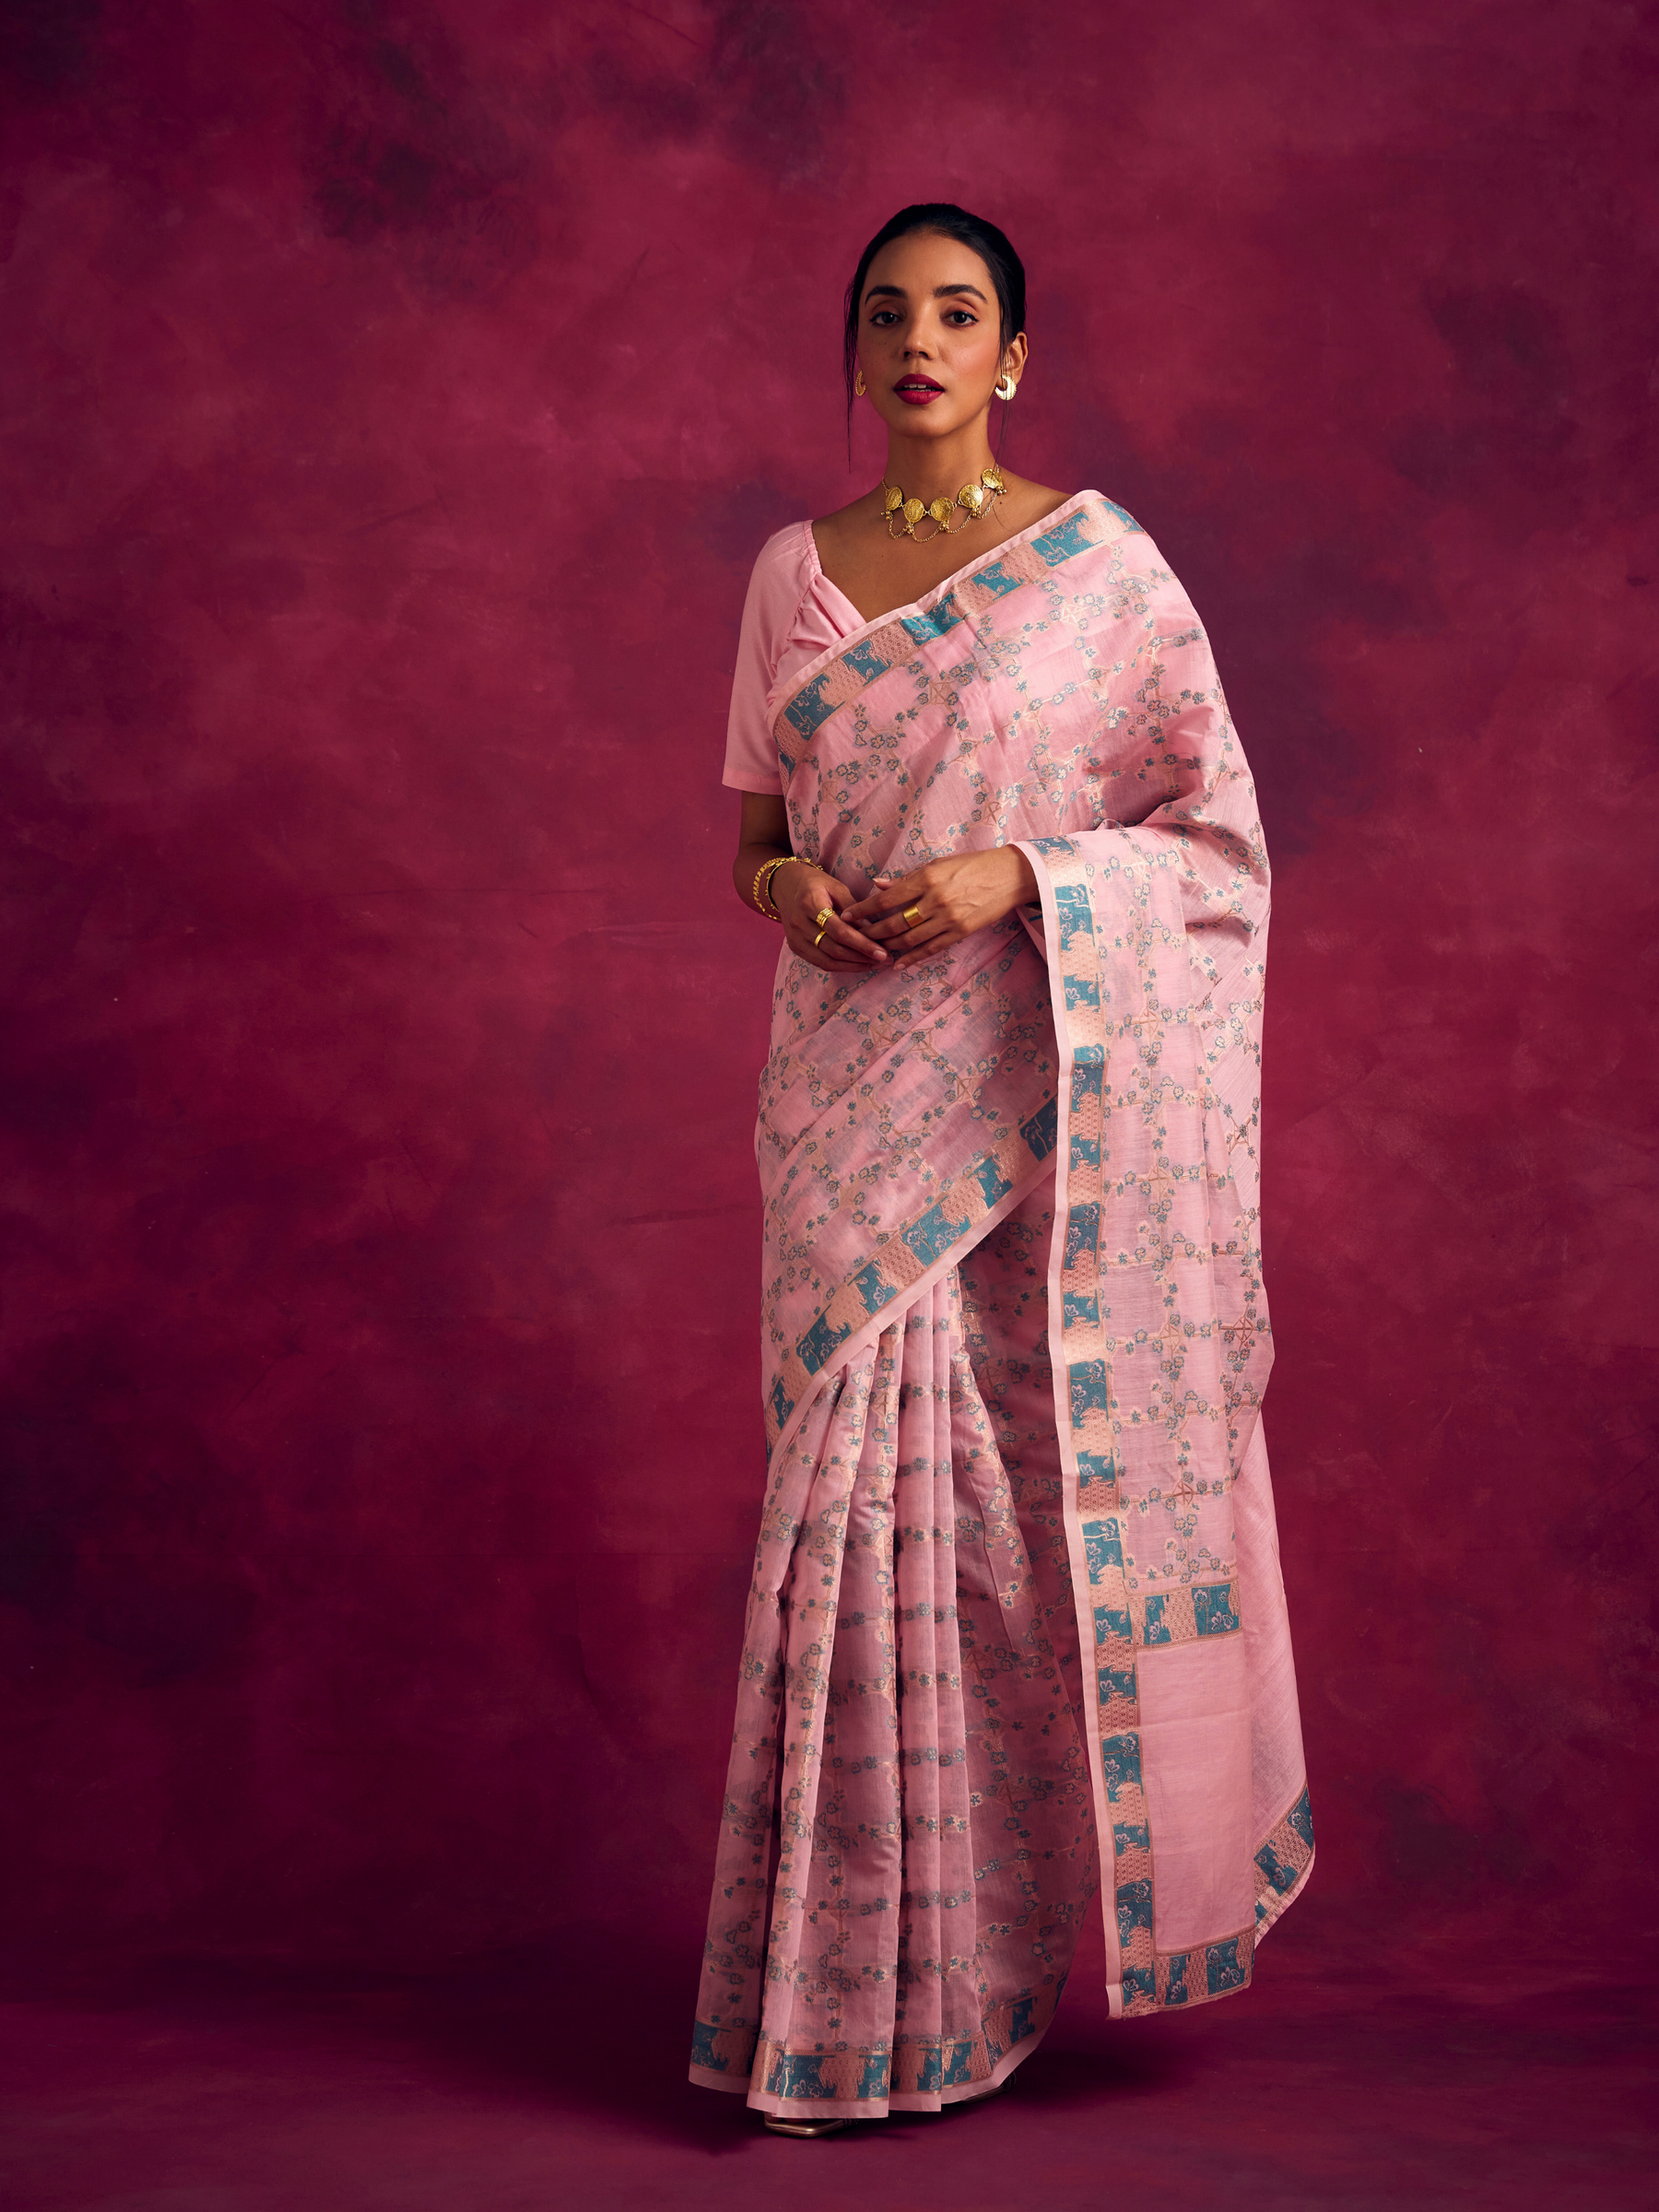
(1008, 271)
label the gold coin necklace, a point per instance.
(974, 498)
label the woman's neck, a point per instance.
(937, 468)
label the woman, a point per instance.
(1017, 1609)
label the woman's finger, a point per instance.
(824, 890)
(836, 932)
(897, 919)
(925, 932)
(831, 945)
(839, 931)
(927, 912)
(822, 956)
(887, 899)
(890, 925)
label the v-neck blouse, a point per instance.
(793, 613)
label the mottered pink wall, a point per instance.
(396, 393)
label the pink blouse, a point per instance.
(793, 613)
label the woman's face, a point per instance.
(930, 335)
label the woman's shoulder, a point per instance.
(833, 524)
(1028, 504)
(787, 552)
(834, 536)
(782, 574)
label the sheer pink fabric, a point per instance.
(1012, 1286)
(934, 1851)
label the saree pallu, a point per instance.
(1016, 1612)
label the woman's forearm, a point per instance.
(750, 860)
(1026, 874)
(805, 897)
(747, 868)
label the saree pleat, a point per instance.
(938, 1993)
(934, 1833)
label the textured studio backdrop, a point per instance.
(395, 393)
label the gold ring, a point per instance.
(817, 940)
(824, 916)
(912, 915)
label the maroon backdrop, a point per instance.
(396, 396)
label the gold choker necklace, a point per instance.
(974, 498)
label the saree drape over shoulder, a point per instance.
(1016, 1624)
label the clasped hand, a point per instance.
(951, 898)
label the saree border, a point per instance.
(1284, 1862)
(970, 1206)
(912, 2074)
(972, 1189)
(846, 669)
(1116, 1623)
(1094, 1547)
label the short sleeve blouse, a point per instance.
(793, 613)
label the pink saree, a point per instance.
(1016, 1624)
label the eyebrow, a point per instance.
(941, 292)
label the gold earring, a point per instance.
(1006, 386)
(858, 383)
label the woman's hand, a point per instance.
(952, 899)
(801, 891)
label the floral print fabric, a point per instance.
(1059, 694)
(909, 1764)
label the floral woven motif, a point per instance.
(1093, 1063)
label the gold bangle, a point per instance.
(772, 897)
(760, 895)
(767, 870)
